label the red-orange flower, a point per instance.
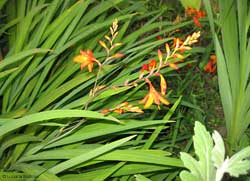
(152, 64)
(200, 14)
(211, 65)
(86, 59)
(195, 14)
(159, 37)
(196, 21)
(153, 97)
(190, 11)
(147, 67)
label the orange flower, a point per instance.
(86, 59)
(153, 97)
(211, 65)
(190, 11)
(195, 14)
(152, 64)
(196, 21)
(200, 14)
(159, 37)
(147, 67)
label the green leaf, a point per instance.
(17, 140)
(191, 4)
(108, 172)
(2, 3)
(239, 163)
(7, 72)
(218, 152)
(212, 159)
(101, 129)
(161, 127)
(19, 56)
(38, 172)
(89, 155)
(49, 115)
(127, 169)
(203, 144)
(140, 177)
(190, 163)
(141, 156)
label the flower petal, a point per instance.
(149, 101)
(173, 65)
(144, 99)
(159, 54)
(167, 49)
(103, 44)
(177, 55)
(118, 55)
(152, 64)
(79, 59)
(90, 67)
(196, 21)
(156, 97)
(163, 85)
(82, 66)
(163, 100)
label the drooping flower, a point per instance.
(211, 65)
(153, 97)
(86, 59)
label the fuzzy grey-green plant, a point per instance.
(212, 161)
